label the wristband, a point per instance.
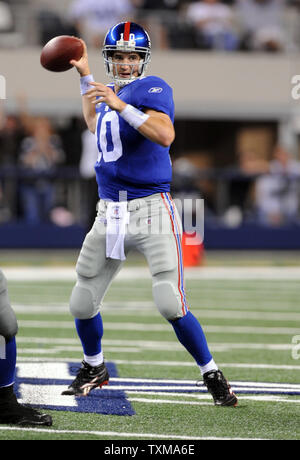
(133, 116)
(84, 83)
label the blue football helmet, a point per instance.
(126, 37)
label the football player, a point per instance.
(132, 119)
(11, 412)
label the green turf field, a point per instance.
(252, 326)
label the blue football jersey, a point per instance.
(127, 161)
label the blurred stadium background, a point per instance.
(237, 123)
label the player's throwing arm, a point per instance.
(155, 126)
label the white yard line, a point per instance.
(149, 309)
(122, 435)
(169, 401)
(221, 365)
(183, 388)
(130, 273)
(23, 359)
(74, 349)
(48, 370)
(206, 396)
(126, 326)
(143, 345)
(269, 385)
(133, 349)
(194, 403)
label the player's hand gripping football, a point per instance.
(82, 65)
(98, 90)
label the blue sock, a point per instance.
(90, 332)
(190, 334)
(8, 365)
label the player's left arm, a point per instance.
(157, 128)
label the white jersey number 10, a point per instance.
(109, 138)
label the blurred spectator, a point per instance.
(51, 24)
(6, 18)
(93, 18)
(213, 22)
(71, 136)
(89, 155)
(10, 37)
(159, 18)
(192, 179)
(88, 159)
(262, 26)
(251, 163)
(11, 134)
(160, 4)
(242, 179)
(39, 156)
(5, 213)
(277, 193)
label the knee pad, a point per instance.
(8, 320)
(8, 323)
(167, 300)
(3, 283)
(83, 303)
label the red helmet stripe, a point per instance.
(126, 31)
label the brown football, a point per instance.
(58, 52)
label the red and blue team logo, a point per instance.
(41, 384)
(116, 212)
(45, 391)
